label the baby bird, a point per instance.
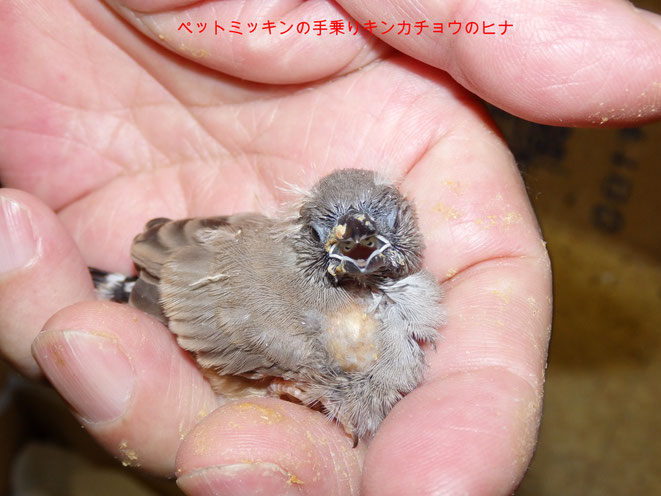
(327, 304)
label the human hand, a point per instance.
(171, 138)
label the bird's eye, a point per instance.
(347, 246)
(369, 242)
(317, 231)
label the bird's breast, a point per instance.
(351, 337)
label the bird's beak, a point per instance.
(361, 259)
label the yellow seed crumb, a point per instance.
(294, 480)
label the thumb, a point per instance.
(271, 447)
(41, 271)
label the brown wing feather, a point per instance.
(153, 247)
(179, 283)
(162, 237)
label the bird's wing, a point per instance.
(201, 274)
(162, 237)
(156, 244)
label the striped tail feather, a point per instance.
(112, 286)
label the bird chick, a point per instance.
(328, 304)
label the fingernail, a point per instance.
(241, 479)
(89, 370)
(18, 243)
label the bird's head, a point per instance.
(359, 227)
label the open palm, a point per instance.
(109, 128)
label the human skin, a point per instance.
(104, 125)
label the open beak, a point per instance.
(361, 258)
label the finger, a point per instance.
(269, 447)
(129, 383)
(41, 271)
(569, 63)
(471, 427)
(469, 434)
(276, 42)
